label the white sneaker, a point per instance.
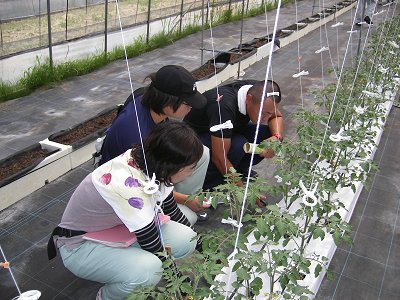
(98, 296)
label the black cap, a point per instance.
(179, 82)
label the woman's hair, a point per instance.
(156, 100)
(170, 146)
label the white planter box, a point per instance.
(46, 171)
(325, 247)
(82, 155)
(264, 50)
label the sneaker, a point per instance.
(202, 216)
(368, 20)
(98, 296)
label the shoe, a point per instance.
(253, 174)
(368, 20)
(202, 216)
(98, 296)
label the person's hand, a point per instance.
(195, 205)
(261, 203)
(269, 153)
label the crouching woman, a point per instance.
(131, 189)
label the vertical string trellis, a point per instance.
(253, 151)
(359, 223)
(137, 119)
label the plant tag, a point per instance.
(379, 12)
(322, 50)
(227, 125)
(337, 24)
(371, 94)
(394, 44)
(339, 136)
(232, 222)
(360, 110)
(302, 73)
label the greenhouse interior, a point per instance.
(290, 192)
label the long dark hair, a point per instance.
(170, 146)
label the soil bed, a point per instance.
(86, 131)
(205, 71)
(20, 163)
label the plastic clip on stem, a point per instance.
(309, 198)
(226, 125)
(150, 186)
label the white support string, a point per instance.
(327, 44)
(332, 106)
(255, 139)
(340, 136)
(216, 84)
(322, 49)
(140, 132)
(9, 269)
(130, 81)
(382, 44)
(300, 73)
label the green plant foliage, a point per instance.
(270, 255)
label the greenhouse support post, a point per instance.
(49, 33)
(202, 32)
(105, 25)
(241, 40)
(148, 23)
(362, 19)
(180, 21)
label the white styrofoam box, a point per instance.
(82, 154)
(48, 170)
(245, 63)
(51, 146)
(326, 247)
(213, 81)
(265, 50)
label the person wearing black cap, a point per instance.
(172, 93)
(240, 103)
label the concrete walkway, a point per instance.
(30, 119)
(368, 270)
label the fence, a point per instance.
(27, 25)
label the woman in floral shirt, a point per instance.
(120, 192)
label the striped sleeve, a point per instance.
(149, 240)
(171, 209)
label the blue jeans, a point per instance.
(236, 155)
(124, 269)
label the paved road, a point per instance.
(10, 9)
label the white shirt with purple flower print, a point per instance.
(119, 183)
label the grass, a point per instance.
(42, 75)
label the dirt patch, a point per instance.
(16, 166)
(207, 70)
(21, 163)
(85, 132)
